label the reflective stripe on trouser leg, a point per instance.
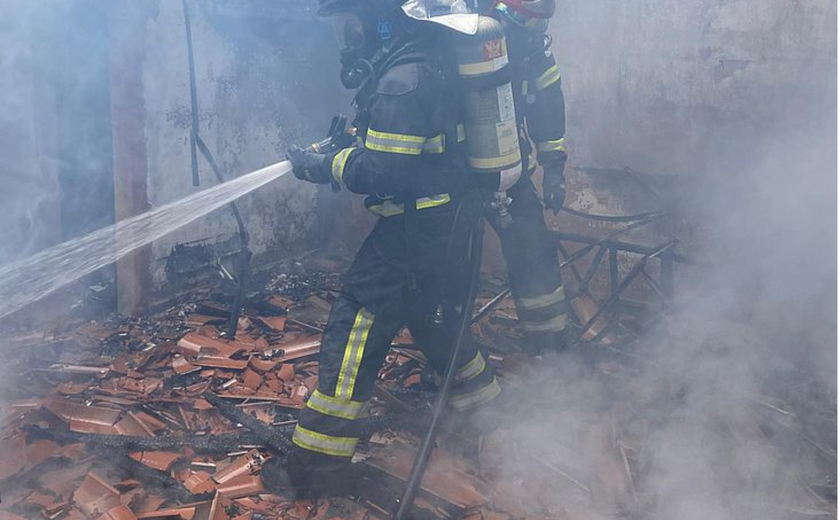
(544, 313)
(472, 369)
(327, 424)
(353, 353)
(475, 384)
(479, 396)
(323, 443)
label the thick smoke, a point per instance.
(733, 396)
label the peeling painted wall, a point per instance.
(260, 88)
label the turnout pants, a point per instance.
(533, 270)
(374, 305)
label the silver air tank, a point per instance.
(490, 118)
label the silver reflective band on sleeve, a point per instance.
(541, 302)
(461, 130)
(548, 78)
(477, 398)
(558, 145)
(394, 143)
(472, 369)
(555, 324)
(326, 444)
(333, 407)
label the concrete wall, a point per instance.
(260, 86)
(705, 99)
(30, 195)
(673, 86)
(95, 117)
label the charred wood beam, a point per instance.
(158, 480)
(273, 438)
(199, 443)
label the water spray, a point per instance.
(28, 280)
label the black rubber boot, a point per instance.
(308, 475)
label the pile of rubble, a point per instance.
(163, 417)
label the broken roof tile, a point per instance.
(69, 411)
(199, 482)
(442, 480)
(159, 460)
(286, 372)
(302, 347)
(150, 422)
(181, 366)
(12, 455)
(73, 388)
(120, 512)
(132, 425)
(245, 465)
(252, 379)
(193, 344)
(276, 323)
(262, 365)
(96, 496)
(220, 362)
(184, 513)
(241, 486)
(61, 482)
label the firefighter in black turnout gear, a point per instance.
(527, 245)
(407, 153)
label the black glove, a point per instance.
(554, 184)
(310, 166)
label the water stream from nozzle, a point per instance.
(28, 280)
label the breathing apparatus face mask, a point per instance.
(357, 49)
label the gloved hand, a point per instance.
(554, 184)
(310, 166)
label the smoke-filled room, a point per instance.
(418, 259)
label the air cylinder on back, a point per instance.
(490, 118)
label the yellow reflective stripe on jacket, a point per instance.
(548, 78)
(436, 144)
(477, 398)
(326, 444)
(472, 369)
(394, 143)
(389, 208)
(555, 324)
(541, 302)
(341, 408)
(558, 145)
(461, 130)
(353, 352)
(339, 162)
